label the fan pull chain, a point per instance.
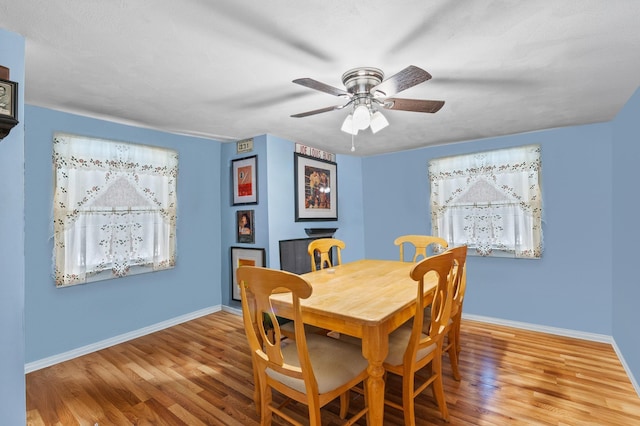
(353, 147)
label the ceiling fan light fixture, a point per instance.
(367, 91)
(361, 117)
(348, 126)
(378, 122)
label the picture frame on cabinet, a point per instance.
(8, 99)
(8, 106)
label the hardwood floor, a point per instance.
(199, 373)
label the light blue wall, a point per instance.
(564, 289)
(12, 259)
(626, 233)
(275, 213)
(62, 319)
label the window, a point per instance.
(491, 201)
(114, 211)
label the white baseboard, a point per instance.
(634, 382)
(236, 311)
(603, 338)
(55, 359)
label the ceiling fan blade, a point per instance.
(417, 105)
(318, 111)
(314, 84)
(408, 77)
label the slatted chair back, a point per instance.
(420, 244)
(323, 246)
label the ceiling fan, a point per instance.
(366, 91)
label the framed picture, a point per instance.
(244, 176)
(245, 226)
(316, 188)
(244, 256)
(8, 106)
(8, 94)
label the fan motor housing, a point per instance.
(359, 81)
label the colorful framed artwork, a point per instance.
(316, 189)
(245, 226)
(244, 177)
(244, 256)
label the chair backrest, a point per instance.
(459, 254)
(257, 284)
(420, 244)
(324, 246)
(440, 266)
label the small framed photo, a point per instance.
(244, 256)
(244, 176)
(8, 102)
(245, 226)
(316, 189)
(8, 106)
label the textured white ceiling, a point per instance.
(223, 69)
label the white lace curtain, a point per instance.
(491, 201)
(114, 210)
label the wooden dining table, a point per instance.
(366, 299)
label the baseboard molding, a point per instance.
(603, 338)
(236, 311)
(65, 356)
(634, 382)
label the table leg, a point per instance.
(375, 346)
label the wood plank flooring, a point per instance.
(199, 373)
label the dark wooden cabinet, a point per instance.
(294, 256)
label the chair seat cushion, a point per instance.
(398, 342)
(334, 363)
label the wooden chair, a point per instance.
(324, 246)
(452, 330)
(313, 369)
(420, 244)
(411, 350)
(453, 326)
